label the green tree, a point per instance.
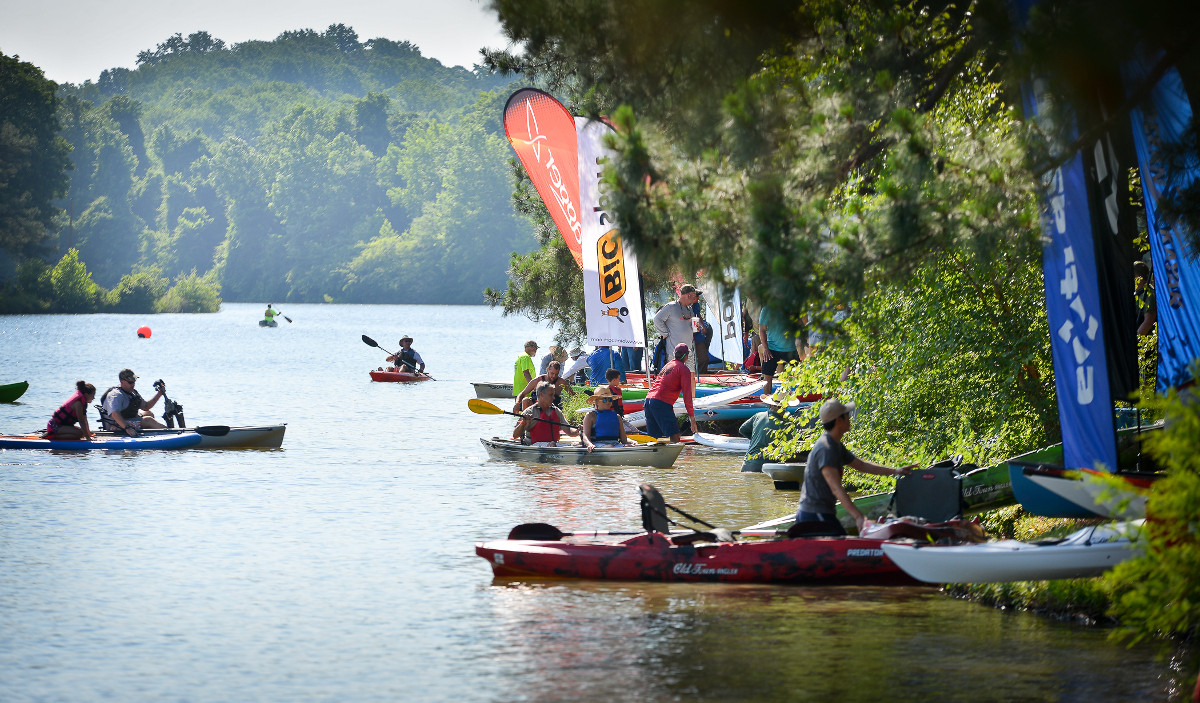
(72, 287)
(139, 291)
(192, 293)
(33, 158)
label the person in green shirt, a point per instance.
(270, 313)
(523, 369)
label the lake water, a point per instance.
(341, 567)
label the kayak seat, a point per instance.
(654, 510)
(106, 421)
(716, 535)
(933, 494)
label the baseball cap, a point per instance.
(833, 409)
(127, 375)
(688, 288)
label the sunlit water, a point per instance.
(341, 567)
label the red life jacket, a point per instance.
(544, 431)
(65, 415)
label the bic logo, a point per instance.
(611, 260)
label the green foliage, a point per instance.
(139, 291)
(72, 288)
(1158, 593)
(192, 293)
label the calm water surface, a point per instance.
(341, 567)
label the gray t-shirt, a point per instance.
(816, 496)
(674, 321)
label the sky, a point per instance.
(74, 40)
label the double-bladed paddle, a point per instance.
(483, 407)
(372, 343)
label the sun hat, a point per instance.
(404, 337)
(777, 400)
(833, 409)
(601, 392)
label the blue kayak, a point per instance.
(173, 441)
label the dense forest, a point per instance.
(312, 168)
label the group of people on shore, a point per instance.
(123, 410)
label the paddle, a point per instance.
(483, 407)
(372, 343)
(286, 317)
(543, 532)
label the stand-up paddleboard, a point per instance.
(1087, 552)
(729, 443)
(638, 419)
(171, 441)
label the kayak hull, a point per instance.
(1088, 552)
(653, 557)
(175, 441)
(252, 437)
(485, 389)
(659, 456)
(398, 377)
(9, 392)
(724, 442)
(268, 323)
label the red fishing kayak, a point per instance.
(398, 376)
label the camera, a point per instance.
(160, 386)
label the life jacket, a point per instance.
(129, 412)
(65, 415)
(618, 399)
(607, 427)
(544, 431)
(408, 358)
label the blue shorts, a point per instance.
(660, 418)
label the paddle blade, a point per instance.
(643, 438)
(286, 318)
(483, 407)
(366, 340)
(538, 531)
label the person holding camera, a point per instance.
(125, 411)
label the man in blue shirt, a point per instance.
(600, 361)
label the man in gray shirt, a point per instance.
(674, 321)
(827, 459)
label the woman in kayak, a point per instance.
(675, 380)
(542, 423)
(602, 426)
(62, 422)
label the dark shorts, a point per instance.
(660, 418)
(778, 359)
(831, 520)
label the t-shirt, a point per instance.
(778, 338)
(669, 385)
(816, 496)
(600, 361)
(524, 363)
(674, 321)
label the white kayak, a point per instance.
(1087, 552)
(729, 443)
(638, 419)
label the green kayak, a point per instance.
(11, 391)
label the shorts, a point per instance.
(690, 362)
(778, 359)
(831, 520)
(660, 418)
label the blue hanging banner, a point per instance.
(1159, 123)
(1073, 306)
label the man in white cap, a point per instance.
(828, 458)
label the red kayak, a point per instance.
(398, 376)
(540, 550)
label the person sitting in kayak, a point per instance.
(675, 380)
(62, 422)
(602, 426)
(125, 411)
(822, 489)
(542, 423)
(270, 313)
(552, 376)
(407, 360)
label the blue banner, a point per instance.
(1073, 306)
(1158, 123)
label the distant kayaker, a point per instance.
(828, 458)
(407, 360)
(542, 423)
(270, 313)
(62, 422)
(124, 409)
(554, 377)
(523, 369)
(675, 380)
(602, 426)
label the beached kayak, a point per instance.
(222, 436)
(173, 441)
(496, 389)
(731, 443)
(1088, 552)
(659, 456)
(398, 377)
(9, 392)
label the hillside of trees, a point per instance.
(312, 168)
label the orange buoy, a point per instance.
(143, 332)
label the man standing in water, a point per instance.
(523, 368)
(828, 458)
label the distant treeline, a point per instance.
(311, 168)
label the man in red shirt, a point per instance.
(675, 380)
